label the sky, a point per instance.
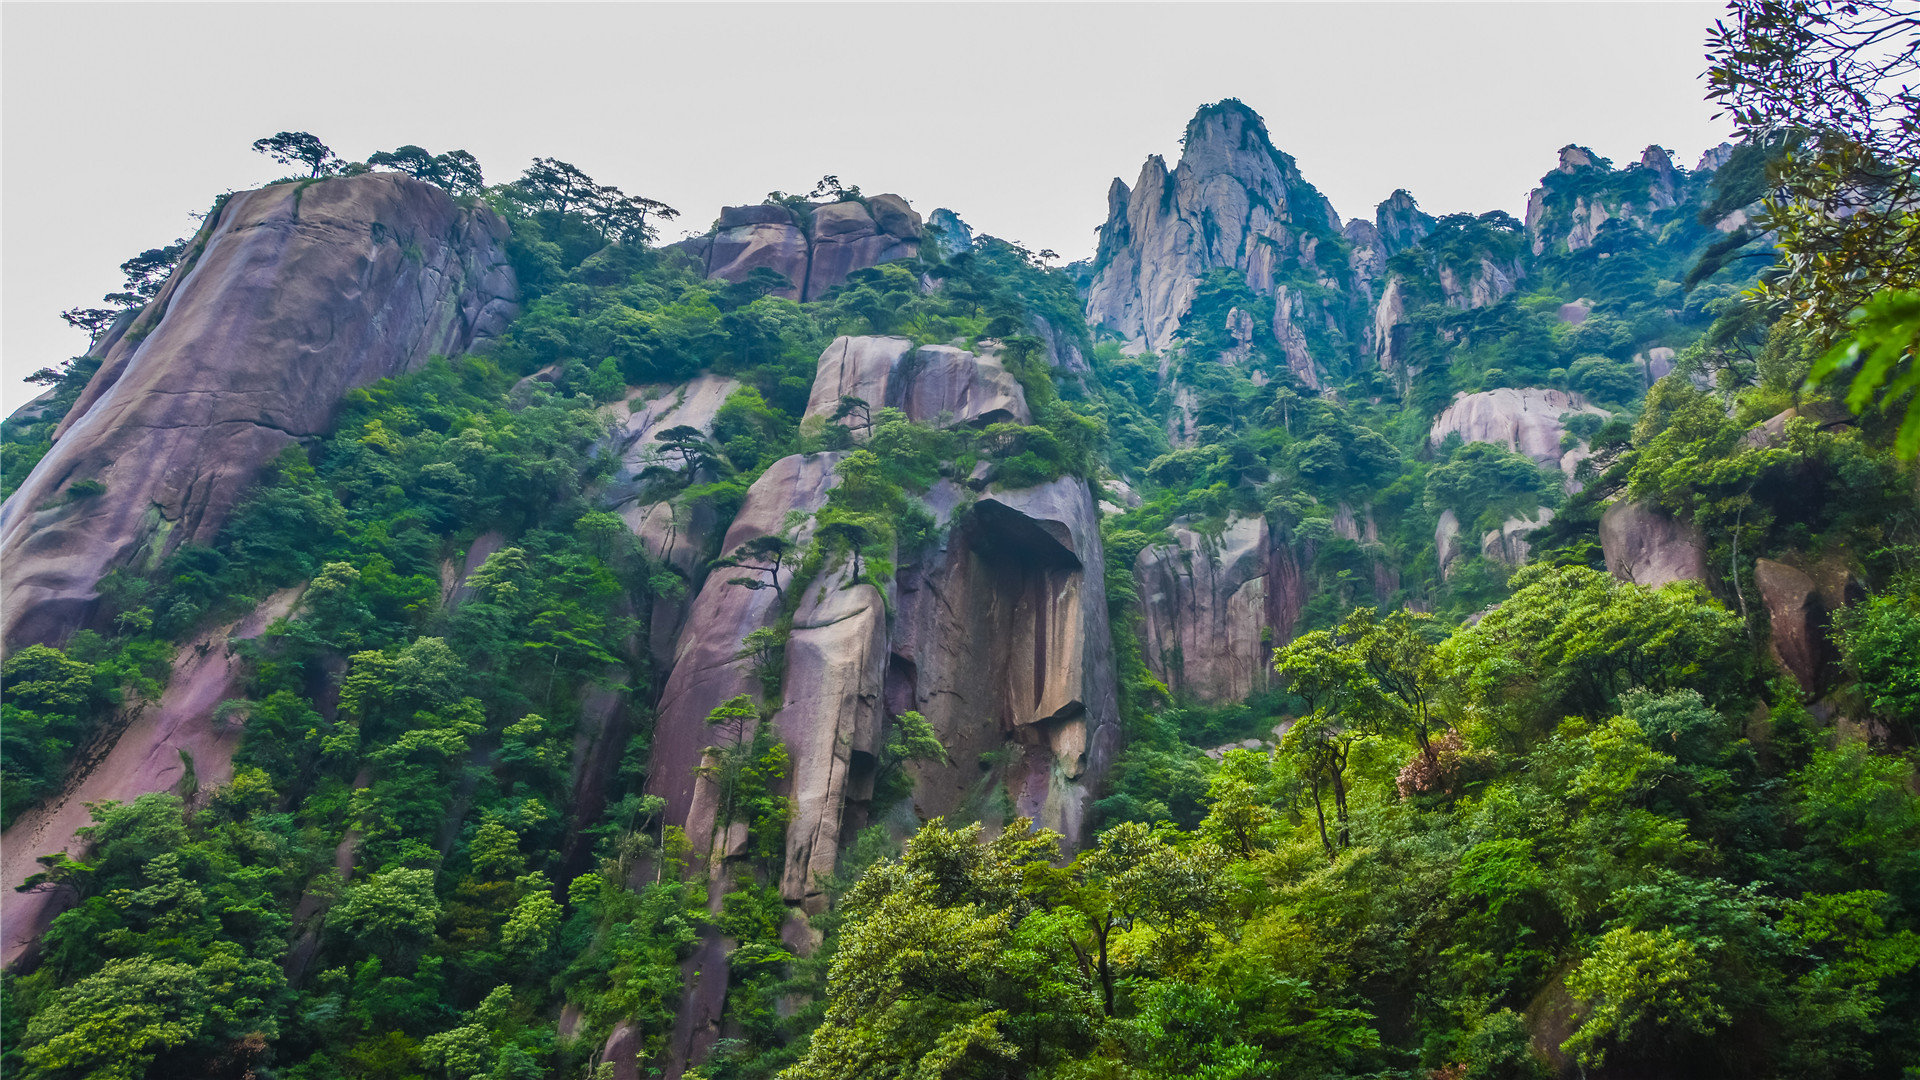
(117, 122)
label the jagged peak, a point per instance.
(1234, 114)
(1574, 157)
(1401, 222)
(1657, 158)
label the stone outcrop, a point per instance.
(705, 671)
(291, 296)
(163, 744)
(1401, 223)
(1526, 421)
(1508, 543)
(1001, 641)
(1233, 202)
(1647, 546)
(1215, 608)
(814, 248)
(678, 535)
(1446, 542)
(1798, 618)
(926, 383)
(1584, 192)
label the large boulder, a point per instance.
(1209, 630)
(815, 248)
(1799, 618)
(1526, 421)
(927, 383)
(1647, 546)
(290, 296)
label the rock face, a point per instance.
(926, 383)
(1508, 543)
(705, 672)
(293, 295)
(815, 248)
(1001, 641)
(1799, 618)
(161, 745)
(1526, 421)
(1584, 192)
(1646, 546)
(1234, 202)
(676, 535)
(1216, 608)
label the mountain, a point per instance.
(447, 634)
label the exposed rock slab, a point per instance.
(1208, 629)
(927, 383)
(1647, 546)
(151, 753)
(705, 672)
(1526, 421)
(816, 247)
(297, 293)
(1001, 641)
(1799, 618)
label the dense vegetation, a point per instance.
(1521, 821)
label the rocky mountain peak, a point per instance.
(1232, 202)
(1574, 158)
(1401, 222)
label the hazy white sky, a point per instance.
(116, 121)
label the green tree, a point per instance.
(299, 148)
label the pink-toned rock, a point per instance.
(292, 295)
(161, 742)
(846, 238)
(705, 672)
(859, 366)
(1799, 619)
(1526, 421)
(1233, 202)
(1647, 546)
(1446, 542)
(1508, 543)
(928, 383)
(1207, 625)
(1000, 639)
(951, 382)
(830, 713)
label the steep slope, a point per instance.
(291, 296)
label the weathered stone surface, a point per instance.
(1000, 640)
(926, 383)
(846, 238)
(1401, 223)
(1508, 543)
(815, 250)
(1206, 627)
(1062, 352)
(1446, 542)
(161, 744)
(299, 293)
(947, 381)
(705, 672)
(1233, 202)
(830, 720)
(1799, 618)
(1526, 421)
(1645, 545)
